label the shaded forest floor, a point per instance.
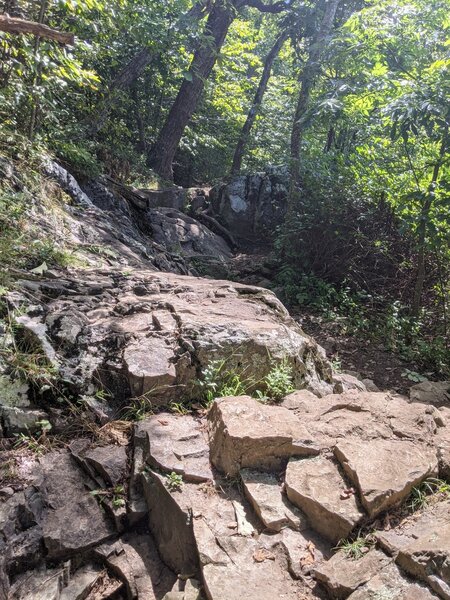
(350, 353)
(369, 358)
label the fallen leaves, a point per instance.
(262, 554)
(309, 558)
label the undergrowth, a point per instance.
(355, 548)
(375, 318)
(220, 379)
(431, 489)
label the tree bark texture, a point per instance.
(163, 152)
(21, 26)
(307, 80)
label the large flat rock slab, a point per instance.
(422, 547)
(316, 486)
(366, 416)
(385, 471)
(245, 433)
(177, 444)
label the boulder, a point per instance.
(316, 486)
(385, 471)
(431, 392)
(344, 382)
(251, 205)
(245, 433)
(184, 235)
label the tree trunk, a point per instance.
(257, 100)
(307, 80)
(422, 229)
(38, 76)
(163, 152)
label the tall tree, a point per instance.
(307, 79)
(221, 15)
(256, 104)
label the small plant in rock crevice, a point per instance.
(220, 380)
(428, 490)
(356, 548)
(38, 443)
(138, 409)
(174, 482)
(115, 495)
(279, 381)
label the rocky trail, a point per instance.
(144, 488)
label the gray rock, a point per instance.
(177, 444)
(148, 333)
(431, 392)
(251, 205)
(70, 527)
(342, 575)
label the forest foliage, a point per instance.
(352, 94)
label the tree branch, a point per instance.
(19, 26)
(267, 8)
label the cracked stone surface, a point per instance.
(391, 584)
(264, 492)
(316, 486)
(385, 471)
(422, 547)
(245, 433)
(177, 444)
(342, 575)
(145, 332)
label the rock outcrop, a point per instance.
(145, 333)
(252, 205)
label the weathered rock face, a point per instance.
(143, 332)
(431, 392)
(422, 547)
(382, 481)
(184, 235)
(342, 575)
(316, 487)
(254, 204)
